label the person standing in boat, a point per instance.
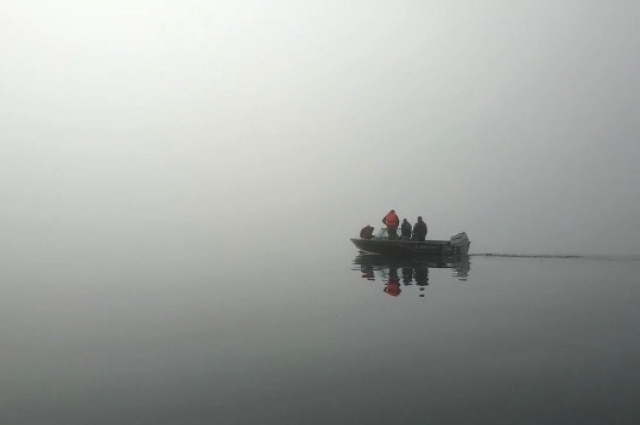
(392, 221)
(405, 230)
(419, 230)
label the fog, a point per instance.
(134, 126)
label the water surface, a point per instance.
(315, 337)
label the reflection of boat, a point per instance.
(390, 261)
(414, 271)
(456, 247)
(461, 269)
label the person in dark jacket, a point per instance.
(366, 232)
(405, 230)
(419, 230)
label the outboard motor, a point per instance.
(460, 243)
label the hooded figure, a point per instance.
(366, 232)
(419, 230)
(405, 230)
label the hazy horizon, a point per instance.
(234, 122)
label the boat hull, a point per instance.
(401, 248)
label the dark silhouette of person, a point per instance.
(367, 272)
(392, 222)
(405, 230)
(366, 232)
(407, 275)
(422, 276)
(419, 230)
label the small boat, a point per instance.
(456, 247)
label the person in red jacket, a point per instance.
(392, 221)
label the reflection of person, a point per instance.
(407, 275)
(393, 273)
(419, 230)
(405, 230)
(393, 283)
(393, 287)
(392, 221)
(367, 272)
(422, 276)
(366, 232)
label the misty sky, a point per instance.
(515, 121)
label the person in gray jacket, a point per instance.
(405, 230)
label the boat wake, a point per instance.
(591, 257)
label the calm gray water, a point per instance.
(312, 338)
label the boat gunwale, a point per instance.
(400, 241)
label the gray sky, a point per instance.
(514, 121)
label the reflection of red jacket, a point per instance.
(393, 288)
